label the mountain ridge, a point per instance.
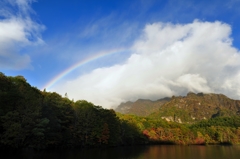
(189, 108)
(146, 106)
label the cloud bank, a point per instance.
(17, 30)
(168, 59)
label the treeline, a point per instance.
(39, 119)
(30, 118)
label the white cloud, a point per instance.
(168, 59)
(17, 30)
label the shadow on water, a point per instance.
(127, 152)
(136, 152)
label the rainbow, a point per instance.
(79, 64)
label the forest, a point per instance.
(30, 118)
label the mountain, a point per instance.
(195, 107)
(190, 108)
(141, 107)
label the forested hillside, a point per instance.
(30, 118)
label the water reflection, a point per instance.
(138, 152)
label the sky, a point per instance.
(108, 52)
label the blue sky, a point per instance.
(40, 39)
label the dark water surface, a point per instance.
(137, 152)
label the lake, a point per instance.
(139, 152)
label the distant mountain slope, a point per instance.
(190, 108)
(195, 107)
(141, 107)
